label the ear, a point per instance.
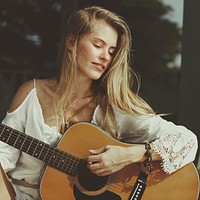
(70, 40)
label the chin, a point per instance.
(95, 76)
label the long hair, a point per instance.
(114, 86)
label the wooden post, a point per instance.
(189, 109)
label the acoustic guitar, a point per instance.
(67, 178)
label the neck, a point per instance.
(85, 88)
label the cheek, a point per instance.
(83, 54)
(80, 56)
(80, 52)
(83, 59)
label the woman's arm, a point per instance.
(6, 189)
(175, 145)
(109, 159)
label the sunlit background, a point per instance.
(176, 15)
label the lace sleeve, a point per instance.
(176, 144)
(174, 154)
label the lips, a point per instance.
(99, 66)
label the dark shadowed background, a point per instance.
(30, 31)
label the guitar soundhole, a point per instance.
(90, 181)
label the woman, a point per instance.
(93, 85)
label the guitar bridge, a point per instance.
(139, 187)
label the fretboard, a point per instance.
(53, 157)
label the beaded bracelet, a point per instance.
(148, 154)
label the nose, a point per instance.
(105, 55)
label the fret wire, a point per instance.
(29, 145)
(69, 159)
(69, 166)
(13, 139)
(53, 156)
(35, 148)
(2, 129)
(46, 153)
(60, 156)
(29, 150)
(16, 141)
(3, 132)
(26, 146)
(41, 145)
(23, 137)
(20, 141)
(66, 158)
(8, 140)
(72, 166)
(57, 157)
(23, 142)
(65, 165)
(9, 131)
(76, 161)
(16, 137)
(61, 160)
(71, 169)
(49, 153)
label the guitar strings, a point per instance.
(74, 163)
(38, 149)
(55, 154)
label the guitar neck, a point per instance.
(53, 157)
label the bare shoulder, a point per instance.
(21, 94)
(46, 91)
(45, 87)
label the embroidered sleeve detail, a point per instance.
(169, 149)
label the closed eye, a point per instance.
(112, 53)
(97, 45)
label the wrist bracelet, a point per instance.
(148, 160)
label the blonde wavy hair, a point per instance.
(115, 86)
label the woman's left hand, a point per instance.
(109, 159)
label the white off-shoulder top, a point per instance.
(176, 144)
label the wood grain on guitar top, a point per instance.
(67, 177)
(183, 184)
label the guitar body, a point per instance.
(78, 139)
